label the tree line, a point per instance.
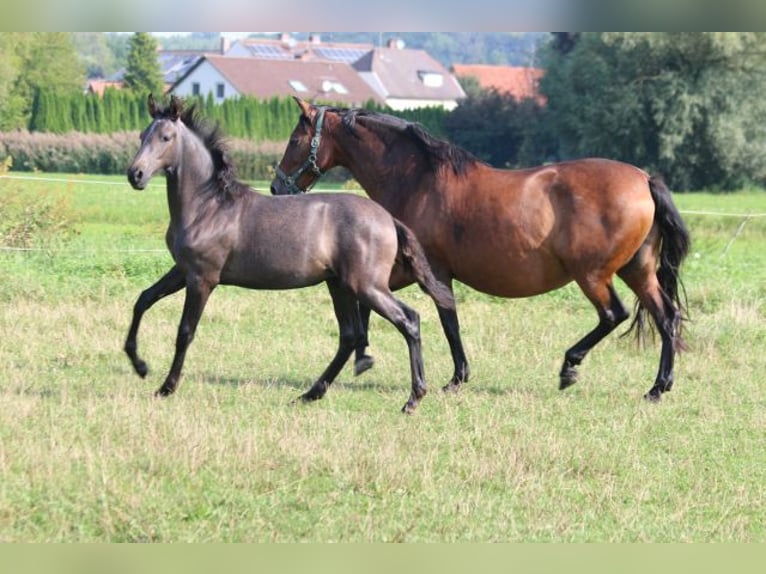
(685, 105)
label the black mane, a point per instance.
(439, 153)
(216, 143)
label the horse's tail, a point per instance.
(674, 247)
(415, 263)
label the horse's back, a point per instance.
(554, 222)
(294, 241)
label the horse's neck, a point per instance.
(188, 184)
(379, 169)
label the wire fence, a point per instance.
(744, 217)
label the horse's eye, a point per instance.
(166, 138)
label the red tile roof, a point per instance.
(518, 81)
(268, 78)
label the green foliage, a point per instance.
(36, 219)
(95, 54)
(11, 102)
(29, 63)
(681, 104)
(499, 129)
(143, 74)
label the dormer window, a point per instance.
(431, 79)
(330, 86)
(298, 86)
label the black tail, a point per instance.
(674, 247)
(415, 262)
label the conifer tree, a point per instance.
(143, 74)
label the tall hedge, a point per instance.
(86, 133)
(246, 117)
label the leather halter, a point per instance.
(291, 181)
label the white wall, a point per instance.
(408, 104)
(208, 78)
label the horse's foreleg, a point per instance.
(363, 361)
(197, 293)
(170, 283)
(611, 312)
(350, 330)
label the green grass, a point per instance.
(87, 454)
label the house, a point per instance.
(339, 73)
(229, 76)
(403, 78)
(408, 79)
(98, 86)
(519, 82)
(173, 64)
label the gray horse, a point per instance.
(222, 232)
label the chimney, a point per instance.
(395, 44)
(225, 44)
(315, 39)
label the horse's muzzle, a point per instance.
(137, 177)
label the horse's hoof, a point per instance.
(162, 392)
(141, 369)
(313, 394)
(363, 364)
(451, 387)
(567, 378)
(409, 408)
(653, 396)
(566, 382)
(301, 400)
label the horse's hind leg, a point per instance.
(363, 361)
(407, 322)
(667, 319)
(611, 312)
(451, 328)
(349, 324)
(172, 282)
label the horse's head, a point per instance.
(300, 167)
(159, 142)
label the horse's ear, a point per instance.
(306, 108)
(152, 105)
(176, 107)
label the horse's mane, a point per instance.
(217, 144)
(440, 154)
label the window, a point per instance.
(431, 79)
(340, 88)
(298, 86)
(195, 88)
(219, 90)
(330, 86)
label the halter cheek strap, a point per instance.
(291, 181)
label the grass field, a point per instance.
(87, 453)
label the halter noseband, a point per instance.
(291, 181)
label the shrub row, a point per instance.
(110, 154)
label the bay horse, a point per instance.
(509, 233)
(223, 232)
